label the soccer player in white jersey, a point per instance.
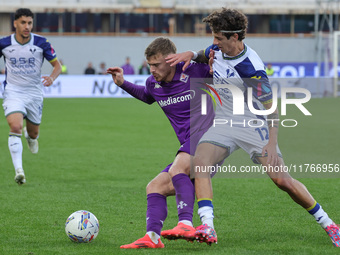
(236, 64)
(24, 53)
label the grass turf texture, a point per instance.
(99, 154)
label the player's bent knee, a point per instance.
(160, 188)
(202, 167)
(151, 188)
(33, 132)
(177, 171)
(16, 128)
(201, 161)
(33, 135)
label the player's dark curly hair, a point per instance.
(162, 45)
(23, 12)
(228, 20)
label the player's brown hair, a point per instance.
(162, 45)
(228, 20)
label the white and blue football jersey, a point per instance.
(232, 77)
(23, 62)
(242, 71)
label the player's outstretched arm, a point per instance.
(48, 80)
(186, 57)
(117, 75)
(134, 90)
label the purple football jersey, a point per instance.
(180, 100)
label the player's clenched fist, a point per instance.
(47, 81)
(117, 75)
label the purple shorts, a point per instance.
(189, 147)
(166, 170)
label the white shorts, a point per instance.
(30, 107)
(250, 139)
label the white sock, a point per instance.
(15, 148)
(206, 214)
(153, 236)
(186, 222)
(322, 218)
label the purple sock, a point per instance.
(185, 196)
(156, 212)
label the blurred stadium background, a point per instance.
(297, 34)
(99, 154)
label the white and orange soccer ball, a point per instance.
(82, 226)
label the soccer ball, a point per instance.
(82, 226)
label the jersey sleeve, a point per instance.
(48, 51)
(4, 42)
(261, 87)
(256, 79)
(207, 50)
(138, 91)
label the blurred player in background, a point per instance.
(89, 69)
(172, 89)
(269, 70)
(144, 68)
(236, 63)
(24, 53)
(102, 68)
(127, 67)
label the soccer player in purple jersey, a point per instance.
(231, 56)
(24, 54)
(174, 91)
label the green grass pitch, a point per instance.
(99, 154)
